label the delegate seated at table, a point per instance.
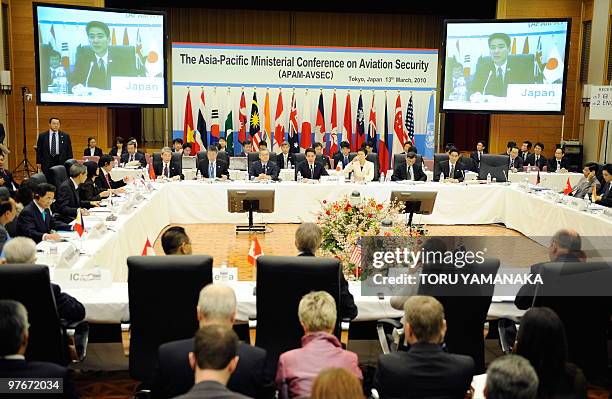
(309, 169)
(360, 167)
(36, 221)
(263, 169)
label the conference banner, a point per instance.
(304, 95)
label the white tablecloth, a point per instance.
(555, 181)
(119, 173)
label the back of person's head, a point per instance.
(25, 193)
(217, 303)
(308, 237)
(173, 238)
(336, 383)
(541, 340)
(13, 327)
(105, 160)
(567, 239)
(317, 312)
(92, 169)
(20, 250)
(425, 317)
(511, 377)
(77, 170)
(215, 346)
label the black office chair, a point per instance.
(224, 156)
(437, 159)
(201, 155)
(49, 337)
(177, 159)
(252, 157)
(299, 158)
(277, 324)
(57, 175)
(68, 164)
(39, 178)
(467, 163)
(373, 157)
(496, 165)
(157, 161)
(163, 295)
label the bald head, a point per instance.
(217, 304)
(564, 242)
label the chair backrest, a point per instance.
(157, 159)
(163, 296)
(177, 159)
(57, 175)
(299, 158)
(68, 164)
(467, 162)
(39, 178)
(252, 157)
(289, 278)
(436, 162)
(496, 165)
(373, 157)
(224, 156)
(201, 156)
(429, 164)
(30, 285)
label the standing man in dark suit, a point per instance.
(211, 167)
(36, 221)
(6, 178)
(263, 169)
(409, 170)
(53, 147)
(97, 63)
(558, 163)
(92, 150)
(104, 181)
(14, 330)
(133, 155)
(452, 169)
(477, 155)
(604, 195)
(344, 156)
(425, 370)
(167, 168)
(68, 200)
(174, 376)
(515, 161)
(286, 159)
(309, 169)
(537, 159)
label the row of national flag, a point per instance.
(384, 140)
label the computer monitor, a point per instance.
(189, 162)
(496, 165)
(260, 201)
(421, 202)
(238, 163)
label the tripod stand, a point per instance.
(25, 166)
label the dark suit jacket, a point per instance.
(339, 157)
(445, 168)
(68, 308)
(8, 180)
(121, 62)
(30, 223)
(138, 156)
(519, 69)
(89, 192)
(175, 169)
(606, 192)
(541, 162)
(552, 164)
(424, 371)
(4, 235)
(113, 151)
(220, 166)
(210, 390)
(400, 172)
(475, 160)
(280, 159)
(68, 201)
(303, 168)
(524, 155)
(326, 163)
(24, 369)
(256, 169)
(174, 376)
(97, 152)
(43, 150)
(348, 310)
(518, 163)
(103, 185)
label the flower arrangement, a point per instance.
(345, 221)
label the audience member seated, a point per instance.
(92, 150)
(509, 146)
(261, 145)
(176, 242)
(173, 375)
(104, 181)
(525, 151)
(537, 159)
(511, 377)
(452, 168)
(541, 340)
(8, 211)
(246, 148)
(559, 163)
(167, 168)
(318, 147)
(586, 183)
(604, 195)
(119, 149)
(407, 147)
(409, 170)
(368, 146)
(187, 147)
(177, 145)
(6, 178)
(222, 144)
(515, 162)
(88, 191)
(342, 158)
(22, 250)
(68, 200)
(14, 334)
(308, 238)
(361, 169)
(263, 169)
(477, 155)
(286, 159)
(336, 383)
(132, 155)
(425, 370)
(25, 194)
(211, 167)
(36, 221)
(298, 368)
(309, 169)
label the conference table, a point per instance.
(534, 213)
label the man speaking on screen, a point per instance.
(97, 63)
(496, 72)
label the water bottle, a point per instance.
(382, 177)
(299, 177)
(116, 163)
(288, 164)
(198, 175)
(224, 273)
(442, 176)
(488, 178)
(587, 201)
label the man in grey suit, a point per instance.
(587, 182)
(8, 210)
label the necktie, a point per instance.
(479, 155)
(107, 181)
(265, 167)
(166, 171)
(211, 171)
(53, 144)
(131, 157)
(408, 174)
(102, 68)
(500, 75)
(345, 161)
(558, 165)
(511, 163)
(312, 171)
(44, 216)
(451, 175)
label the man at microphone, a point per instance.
(496, 72)
(97, 63)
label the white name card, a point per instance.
(225, 274)
(97, 231)
(83, 278)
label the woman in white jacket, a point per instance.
(362, 169)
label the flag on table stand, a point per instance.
(229, 126)
(332, 144)
(360, 124)
(114, 38)
(126, 38)
(255, 124)
(306, 133)
(372, 125)
(513, 50)
(242, 120)
(398, 127)
(255, 251)
(79, 224)
(383, 150)
(568, 187)
(267, 131)
(410, 120)
(148, 250)
(320, 122)
(188, 131)
(526, 46)
(279, 127)
(347, 130)
(294, 145)
(215, 129)
(201, 135)
(152, 175)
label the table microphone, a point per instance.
(91, 64)
(484, 89)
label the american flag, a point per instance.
(410, 120)
(356, 254)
